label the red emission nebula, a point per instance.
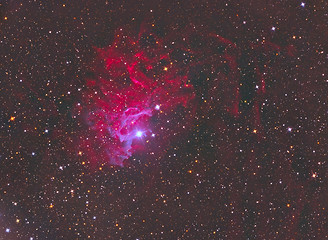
(141, 82)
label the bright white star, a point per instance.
(139, 134)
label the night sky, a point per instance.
(161, 119)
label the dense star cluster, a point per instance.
(163, 119)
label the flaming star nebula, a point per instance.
(123, 99)
(139, 71)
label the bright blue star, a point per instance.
(303, 4)
(139, 134)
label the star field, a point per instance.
(163, 119)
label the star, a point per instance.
(139, 134)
